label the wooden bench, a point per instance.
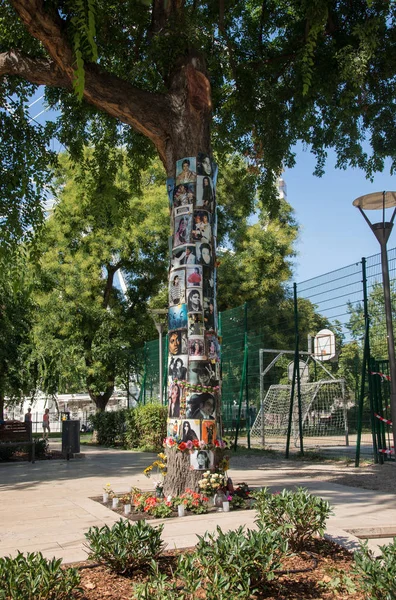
(17, 433)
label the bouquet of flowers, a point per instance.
(211, 482)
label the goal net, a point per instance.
(323, 408)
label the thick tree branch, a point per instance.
(144, 111)
(41, 71)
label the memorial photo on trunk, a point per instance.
(203, 373)
(183, 226)
(194, 276)
(173, 428)
(177, 317)
(209, 314)
(202, 460)
(174, 400)
(208, 432)
(186, 171)
(205, 194)
(184, 195)
(191, 431)
(195, 324)
(204, 253)
(194, 300)
(177, 367)
(201, 406)
(212, 347)
(183, 210)
(196, 348)
(209, 276)
(177, 287)
(177, 342)
(204, 164)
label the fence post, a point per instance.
(243, 380)
(296, 376)
(246, 376)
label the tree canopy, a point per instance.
(179, 76)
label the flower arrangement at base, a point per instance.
(192, 502)
(125, 499)
(211, 482)
(190, 446)
(157, 507)
(108, 490)
(159, 464)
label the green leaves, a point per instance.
(125, 547)
(33, 577)
(377, 575)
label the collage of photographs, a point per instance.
(194, 349)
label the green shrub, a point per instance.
(146, 427)
(33, 577)
(299, 515)
(110, 427)
(230, 565)
(377, 576)
(126, 546)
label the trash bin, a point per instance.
(70, 437)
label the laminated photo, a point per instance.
(177, 317)
(183, 210)
(205, 194)
(175, 392)
(194, 276)
(209, 314)
(201, 229)
(177, 287)
(173, 427)
(177, 342)
(190, 430)
(183, 226)
(202, 460)
(212, 347)
(195, 324)
(208, 432)
(201, 406)
(186, 170)
(204, 164)
(203, 373)
(204, 253)
(185, 255)
(194, 300)
(177, 367)
(184, 194)
(196, 348)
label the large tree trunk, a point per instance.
(194, 421)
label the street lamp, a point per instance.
(382, 231)
(159, 316)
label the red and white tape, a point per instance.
(382, 375)
(387, 421)
(386, 451)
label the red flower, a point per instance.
(196, 443)
(182, 446)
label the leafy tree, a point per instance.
(86, 325)
(189, 76)
(17, 368)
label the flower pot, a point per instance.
(159, 492)
(181, 511)
(105, 497)
(127, 509)
(115, 503)
(226, 506)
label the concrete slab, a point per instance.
(48, 505)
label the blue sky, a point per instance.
(333, 233)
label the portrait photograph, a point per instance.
(186, 170)
(204, 164)
(177, 342)
(202, 460)
(177, 367)
(177, 317)
(184, 194)
(173, 427)
(209, 281)
(203, 373)
(183, 210)
(194, 300)
(205, 194)
(204, 253)
(190, 430)
(201, 227)
(175, 392)
(177, 287)
(208, 432)
(196, 348)
(189, 256)
(201, 406)
(195, 324)
(212, 347)
(183, 226)
(194, 276)
(209, 314)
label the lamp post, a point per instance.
(382, 231)
(159, 316)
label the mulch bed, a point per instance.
(99, 583)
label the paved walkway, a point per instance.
(47, 506)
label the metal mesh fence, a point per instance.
(260, 356)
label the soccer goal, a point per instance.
(323, 412)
